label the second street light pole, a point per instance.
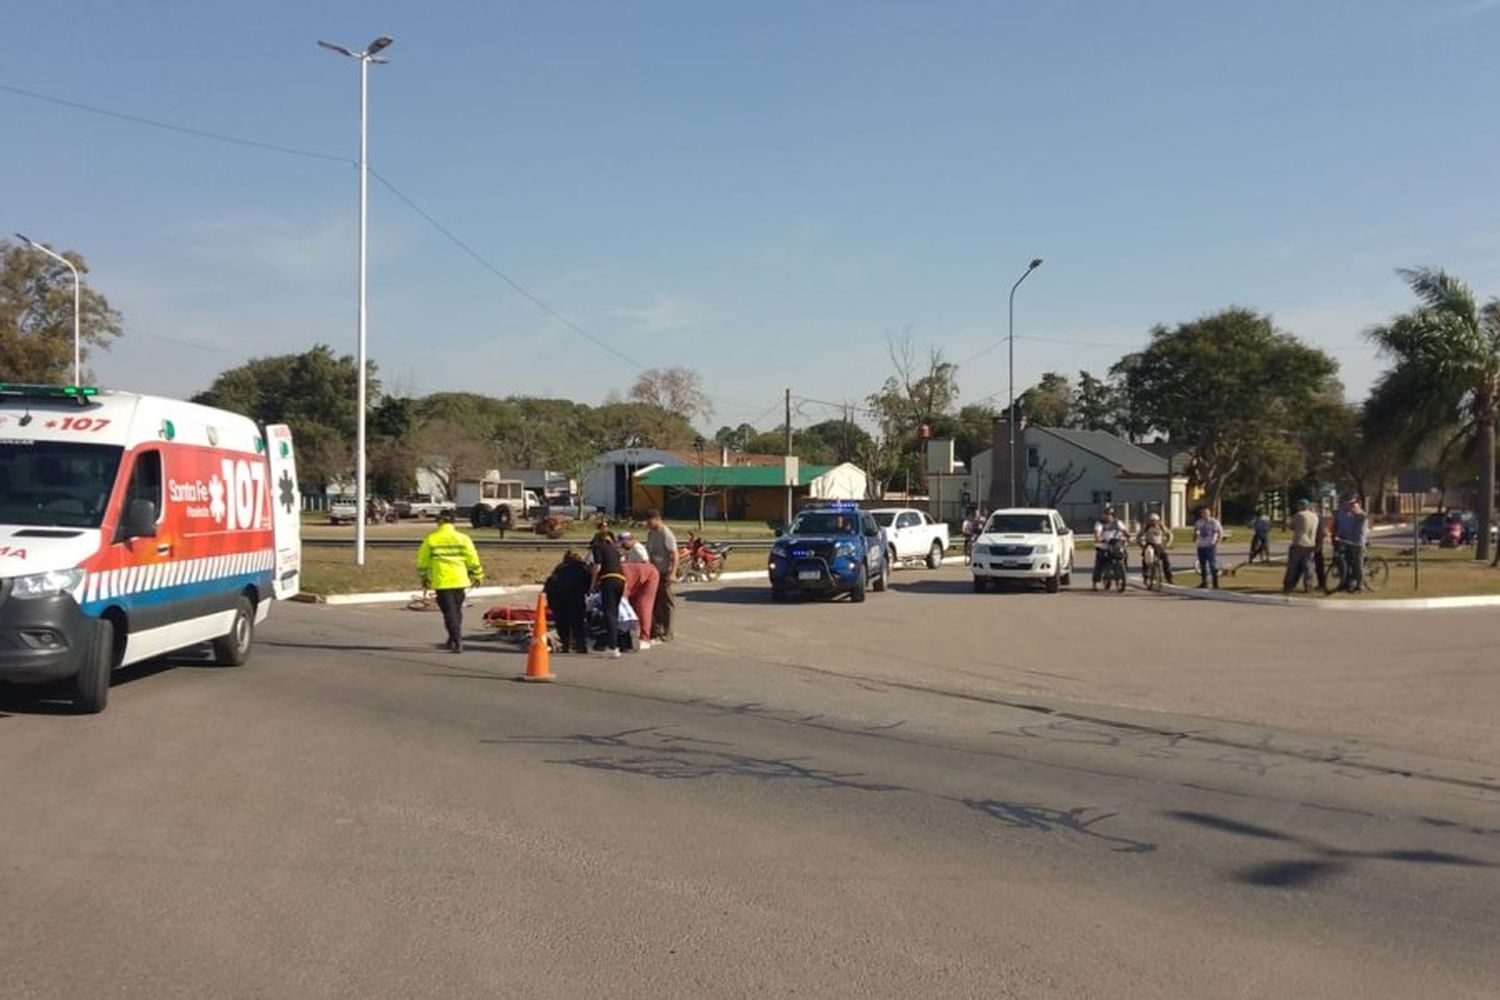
(369, 55)
(77, 301)
(1010, 412)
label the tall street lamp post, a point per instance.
(1011, 409)
(368, 56)
(77, 300)
(698, 443)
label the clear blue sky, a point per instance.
(761, 191)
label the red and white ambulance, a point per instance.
(133, 526)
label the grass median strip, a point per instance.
(1442, 573)
(332, 571)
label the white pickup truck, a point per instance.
(911, 534)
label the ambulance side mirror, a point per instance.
(140, 520)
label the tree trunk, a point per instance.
(1486, 481)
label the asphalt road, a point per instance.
(937, 793)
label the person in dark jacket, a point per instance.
(609, 580)
(566, 590)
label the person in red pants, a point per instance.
(641, 582)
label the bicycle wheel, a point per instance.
(1377, 572)
(1335, 575)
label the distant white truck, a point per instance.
(494, 502)
(422, 506)
(912, 535)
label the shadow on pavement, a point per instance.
(1325, 861)
(760, 594)
(56, 698)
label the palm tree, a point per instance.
(1446, 371)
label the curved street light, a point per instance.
(1010, 418)
(77, 300)
(365, 58)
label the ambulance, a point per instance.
(133, 526)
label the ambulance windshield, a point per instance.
(55, 483)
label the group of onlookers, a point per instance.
(618, 569)
(1348, 530)
(1346, 533)
(615, 570)
(1156, 535)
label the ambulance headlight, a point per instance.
(36, 585)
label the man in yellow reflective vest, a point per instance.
(448, 564)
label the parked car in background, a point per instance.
(1024, 543)
(1434, 528)
(910, 534)
(422, 505)
(343, 510)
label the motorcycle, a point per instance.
(699, 560)
(1112, 557)
(1151, 568)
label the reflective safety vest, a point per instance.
(447, 560)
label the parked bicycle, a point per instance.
(1375, 570)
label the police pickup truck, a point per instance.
(829, 550)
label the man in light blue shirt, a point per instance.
(1351, 533)
(1207, 534)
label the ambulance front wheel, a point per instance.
(91, 686)
(233, 648)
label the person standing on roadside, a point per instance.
(1207, 534)
(661, 547)
(1260, 537)
(630, 550)
(448, 564)
(1351, 533)
(609, 581)
(1299, 560)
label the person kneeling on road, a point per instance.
(448, 563)
(567, 591)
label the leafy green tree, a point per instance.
(974, 430)
(1049, 402)
(922, 391)
(313, 392)
(1097, 405)
(36, 316)
(1225, 388)
(735, 438)
(832, 442)
(1446, 370)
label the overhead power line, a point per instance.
(275, 147)
(516, 286)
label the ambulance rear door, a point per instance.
(286, 511)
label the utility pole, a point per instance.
(789, 487)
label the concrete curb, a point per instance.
(1279, 601)
(404, 596)
(401, 597)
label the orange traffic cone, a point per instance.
(538, 663)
